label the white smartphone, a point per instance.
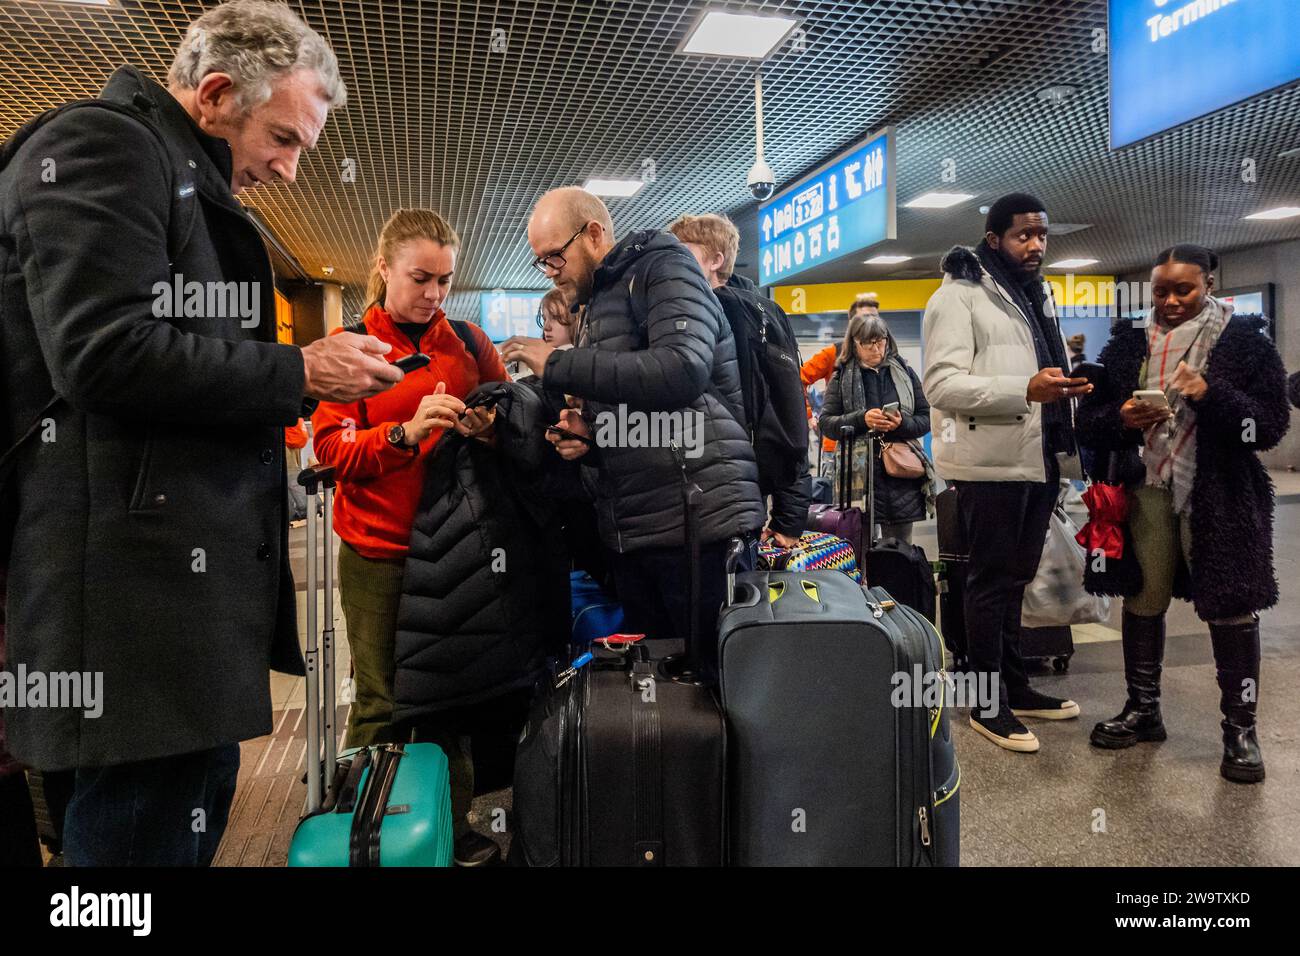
(1152, 396)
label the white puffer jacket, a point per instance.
(979, 358)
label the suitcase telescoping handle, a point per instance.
(319, 657)
(691, 519)
(844, 467)
(735, 549)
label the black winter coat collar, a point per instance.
(1244, 412)
(626, 253)
(212, 161)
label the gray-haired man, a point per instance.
(145, 517)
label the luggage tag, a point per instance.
(618, 643)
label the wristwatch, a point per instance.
(396, 436)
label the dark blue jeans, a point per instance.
(144, 813)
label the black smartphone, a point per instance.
(571, 436)
(410, 363)
(484, 401)
(1094, 372)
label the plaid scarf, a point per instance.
(1170, 446)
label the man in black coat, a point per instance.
(655, 365)
(145, 401)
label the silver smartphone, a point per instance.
(1152, 396)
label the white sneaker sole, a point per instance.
(1070, 710)
(1025, 743)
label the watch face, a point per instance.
(396, 435)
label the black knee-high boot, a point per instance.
(1236, 658)
(1144, 653)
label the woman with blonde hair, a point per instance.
(380, 447)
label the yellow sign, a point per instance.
(902, 295)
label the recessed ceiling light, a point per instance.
(613, 187)
(89, 3)
(1057, 94)
(736, 34)
(886, 260)
(1073, 263)
(1281, 212)
(938, 200)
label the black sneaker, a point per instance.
(1005, 731)
(1030, 703)
(474, 849)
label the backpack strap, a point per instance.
(462, 329)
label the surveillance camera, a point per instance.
(761, 181)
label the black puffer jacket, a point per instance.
(897, 499)
(485, 594)
(657, 341)
(1232, 497)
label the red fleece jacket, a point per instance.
(379, 485)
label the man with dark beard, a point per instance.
(1001, 411)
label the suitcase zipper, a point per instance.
(943, 793)
(931, 721)
(878, 610)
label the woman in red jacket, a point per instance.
(380, 446)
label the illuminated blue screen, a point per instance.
(1174, 60)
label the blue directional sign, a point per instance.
(503, 313)
(843, 207)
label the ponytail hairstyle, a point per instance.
(402, 227)
(1207, 260)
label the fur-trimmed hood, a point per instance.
(962, 263)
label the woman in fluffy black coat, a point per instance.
(1201, 505)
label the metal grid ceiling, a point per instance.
(476, 108)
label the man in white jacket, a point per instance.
(1001, 411)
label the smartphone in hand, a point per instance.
(410, 363)
(1152, 396)
(1094, 372)
(571, 436)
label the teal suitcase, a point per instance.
(386, 805)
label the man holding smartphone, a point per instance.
(1001, 405)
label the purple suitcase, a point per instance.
(842, 520)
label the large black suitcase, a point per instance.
(623, 759)
(621, 766)
(831, 760)
(1047, 644)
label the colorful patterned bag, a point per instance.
(816, 551)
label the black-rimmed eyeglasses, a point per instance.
(554, 261)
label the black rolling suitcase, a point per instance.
(834, 758)
(902, 569)
(1047, 644)
(620, 763)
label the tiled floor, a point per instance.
(1068, 805)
